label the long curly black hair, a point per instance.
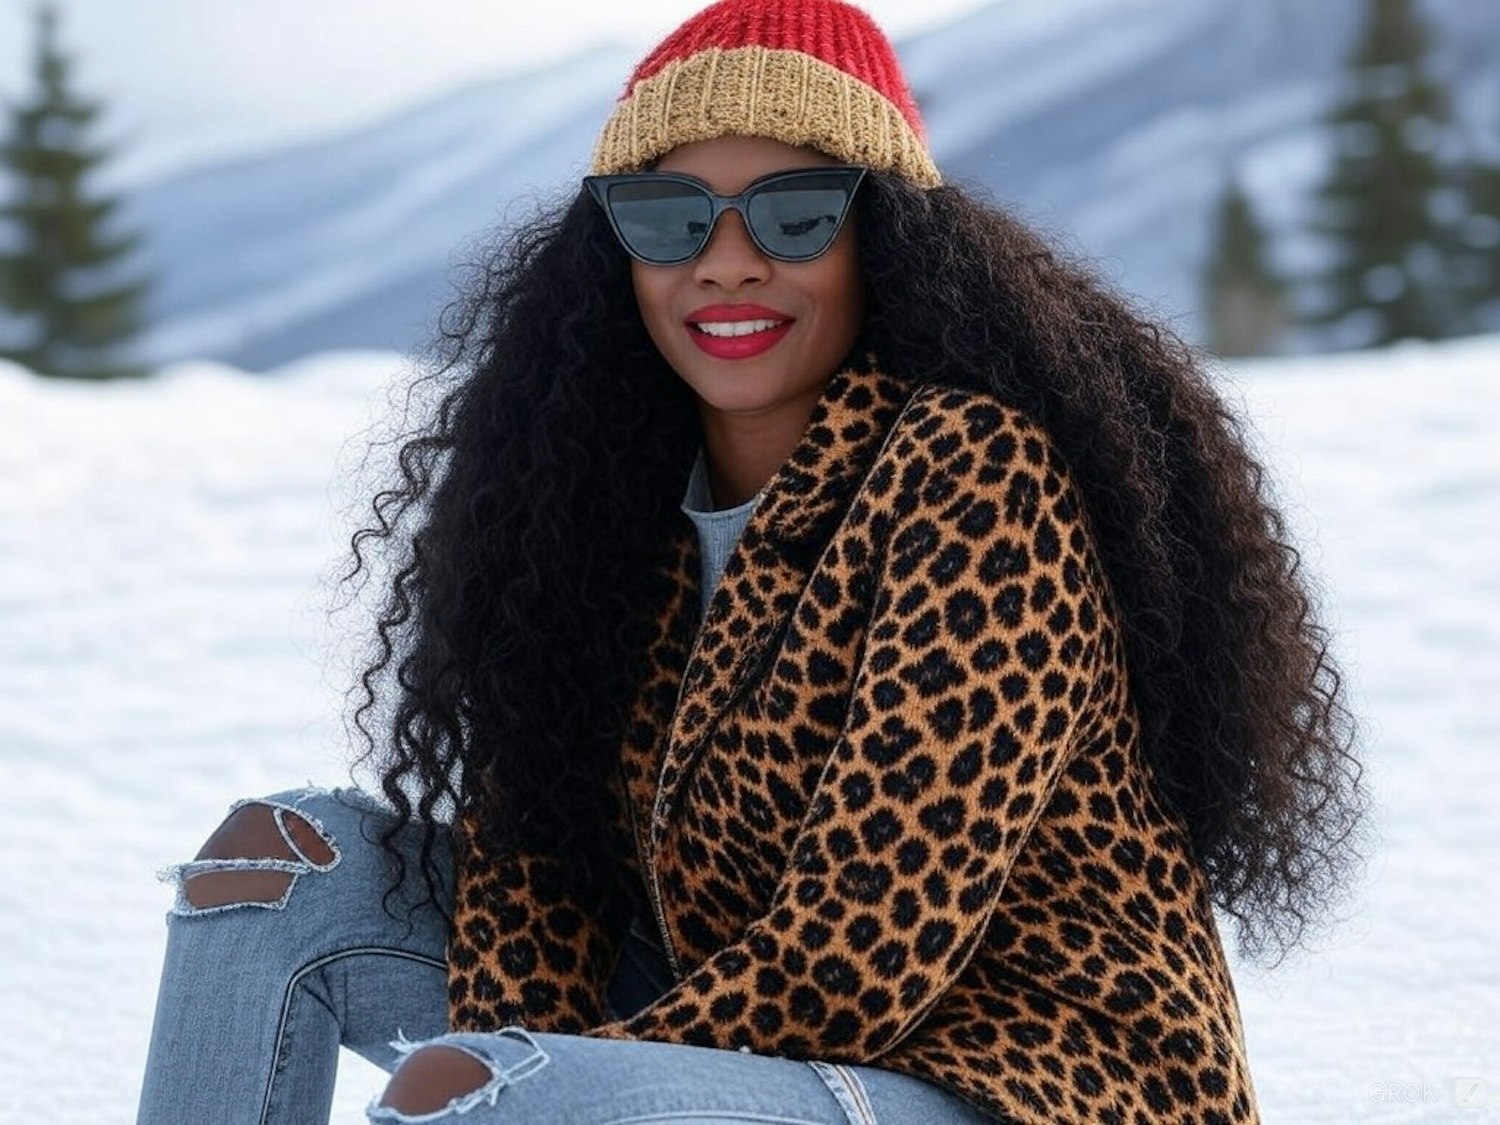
(529, 510)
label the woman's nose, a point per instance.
(731, 259)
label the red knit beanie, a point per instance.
(803, 72)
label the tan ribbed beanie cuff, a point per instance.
(804, 72)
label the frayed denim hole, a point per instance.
(244, 847)
(279, 815)
(181, 873)
(532, 1062)
(279, 808)
(488, 1093)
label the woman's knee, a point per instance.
(260, 850)
(434, 1077)
(459, 1071)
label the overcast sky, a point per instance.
(187, 79)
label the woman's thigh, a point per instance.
(541, 1078)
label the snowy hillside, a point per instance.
(1112, 122)
(163, 555)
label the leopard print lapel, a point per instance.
(696, 673)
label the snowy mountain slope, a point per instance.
(1121, 128)
(298, 241)
(165, 554)
(1109, 122)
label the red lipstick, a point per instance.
(772, 328)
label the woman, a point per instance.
(891, 773)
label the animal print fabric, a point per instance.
(888, 804)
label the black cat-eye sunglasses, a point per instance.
(663, 218)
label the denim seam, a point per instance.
(286, 1033)
(859, 1093)
(291, 988)
(833, 1077)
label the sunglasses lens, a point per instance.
(661, 221)
(796, 219)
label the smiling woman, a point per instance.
(859, 651)
(755, 388)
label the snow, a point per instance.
(1391, 465)
(166, 559)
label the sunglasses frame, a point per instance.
(599, 187)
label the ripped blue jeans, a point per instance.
(257, 996)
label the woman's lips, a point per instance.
(740, 347)
(737, 331)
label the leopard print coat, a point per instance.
(889, 805)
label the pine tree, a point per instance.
(1392, 203)
(1480, 275)
(1246, 301)
(66, 305)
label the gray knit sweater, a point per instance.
(718, 532)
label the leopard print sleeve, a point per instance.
(980, 664)
(521, 950)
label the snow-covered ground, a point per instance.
(166, 555)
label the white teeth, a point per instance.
(736, 327)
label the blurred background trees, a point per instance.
(1246, 299)
(69, 304)
(1406, 217)
(1393, 205)
(1285, 177)
(1480, 264)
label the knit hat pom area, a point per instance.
(818, 73)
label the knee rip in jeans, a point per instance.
(253, 859)
(451, 1075)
